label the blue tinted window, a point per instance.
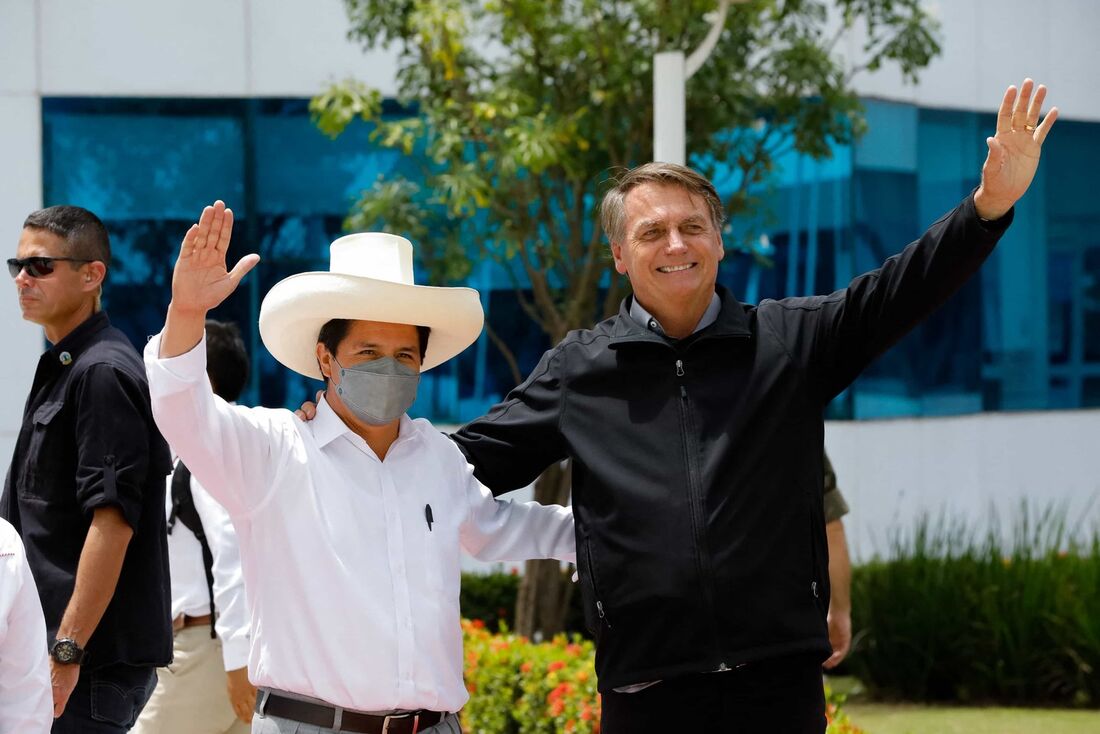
(1023, 334)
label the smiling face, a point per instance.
(670, 249)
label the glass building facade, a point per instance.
(1024, 335)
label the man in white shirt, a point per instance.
(26, 703)
(206, 689)
(349, 526)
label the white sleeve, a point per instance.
(503, 530)
(26, 699)
(234, 451)
(232, 624)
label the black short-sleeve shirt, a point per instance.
(87, 441)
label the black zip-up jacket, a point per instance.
(697, 469)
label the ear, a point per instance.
(94, 274)
(721, 247)
(324, 361)
(617, 255)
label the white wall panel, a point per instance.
(989, 44)
(18, 41)
(142, 48)
(20, 194)
(891, 471)
(299, 46)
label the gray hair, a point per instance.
(613, 207)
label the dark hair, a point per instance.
(613, 207)
(84, 234)
(334, 331)
(226, 359)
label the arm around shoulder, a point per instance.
(519, 437)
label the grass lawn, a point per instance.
(880, 718)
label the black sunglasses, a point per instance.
(39, 267)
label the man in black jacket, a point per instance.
(694, 423)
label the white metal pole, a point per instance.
(670, 74)
(669, 107)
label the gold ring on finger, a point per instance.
(1029, 128)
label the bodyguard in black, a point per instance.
(86, 485)
(694, 423)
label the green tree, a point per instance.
(526, 108)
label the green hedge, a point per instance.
(491, 598)
(958, 615)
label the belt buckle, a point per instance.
(386, 722)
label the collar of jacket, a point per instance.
(731, 322)
(76, 340)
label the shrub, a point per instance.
(519, 687)
(974, 617)
(490, 597)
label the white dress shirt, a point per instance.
(353, 595)
(26, 699)
(189, 593)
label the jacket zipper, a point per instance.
(595, 587)
(815, 589)
(698, 514)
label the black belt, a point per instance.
(269, 703)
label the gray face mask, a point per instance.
(379, 391)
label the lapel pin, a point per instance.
(66, 358)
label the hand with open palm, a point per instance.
(1014, 151)
(200, 280)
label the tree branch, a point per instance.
(506, 352)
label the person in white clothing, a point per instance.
(350, 526)
(26, 702)
(206, 688)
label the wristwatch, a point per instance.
(65, 651)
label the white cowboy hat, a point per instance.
(370, 278)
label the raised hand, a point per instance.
(200, 280)
(1014, 151)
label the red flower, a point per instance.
(556, 665)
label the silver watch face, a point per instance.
(65, 651)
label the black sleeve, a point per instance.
(835, 337)
(511, 445)
(112, 441)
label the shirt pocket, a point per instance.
(440, 552)
(43, 460)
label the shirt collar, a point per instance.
(732, 321)
(644, 318)
(77, 339)
(328, 426)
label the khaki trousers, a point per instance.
(191, 697)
